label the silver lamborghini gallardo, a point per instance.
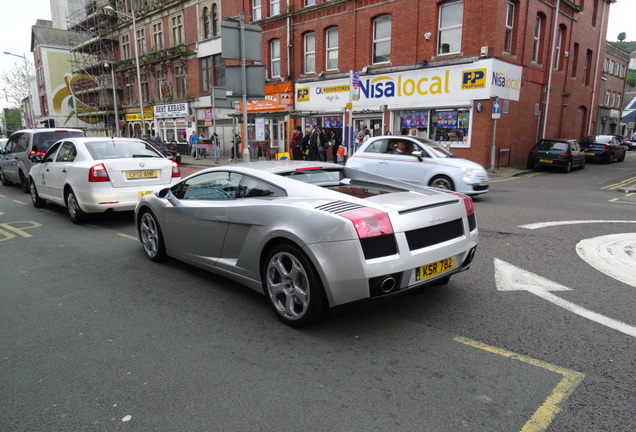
(310, 235)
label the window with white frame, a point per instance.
(618, 100)
(141, 41)
(309, 44)
(331, 45)
(382, 39)
(613, 99)
(178, 37)
(536, 42)
(510, 22)
(451, 16)
(125, 47)
(608, 96)
(274, 58)
(256, 10)
(157, 35)
(310, 3)
(274, 7)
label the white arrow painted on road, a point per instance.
(512, 278)
(614, 255)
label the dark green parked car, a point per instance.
(563, 154)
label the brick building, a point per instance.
(439, 66)
(612, 91)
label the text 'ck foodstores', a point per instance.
(451, 105)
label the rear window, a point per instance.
(552, 145)
(114, 149)
(42, 141)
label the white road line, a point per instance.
(575, 222)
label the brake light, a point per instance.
(34, 153)
(468, 203)
(606, 147)
(370, 222)
(98, 173)
(176, 172)
(533, 151)
(564, 154)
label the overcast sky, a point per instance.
(19, 15)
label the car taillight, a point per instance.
(98, 173)
(370, 222)
(532, 151)
(606, 147)
(33, 153)
(468, 203)
(176, 172)
(564, 154)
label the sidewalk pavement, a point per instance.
(190, 165)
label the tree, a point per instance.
(622, 36)
(14, 84)
(12, 119)
(631, 78)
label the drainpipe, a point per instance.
(551, 71)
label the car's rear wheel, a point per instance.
(5, 181)
(567, 168)
(610, 158)
(293, 286)
(75, 212)
(583, 163)
(35, 197)
(24, 183)
(622, 158)
(442, 182)
(151, 237)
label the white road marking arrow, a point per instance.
(614, 255)
(512, 278)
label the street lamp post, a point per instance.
(111, 66)
(141, 98)
(28, 78)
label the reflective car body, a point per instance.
(16, 158)
(96, 175)
(605, 148)
(310, 235)
(3, 143)
(563, 154)
(425, 162)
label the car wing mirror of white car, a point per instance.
(417, 154)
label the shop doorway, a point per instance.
(374, 125)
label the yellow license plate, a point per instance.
(545, 161)
(141, 174)
(434, 269)
(590, 154)
(141, 194)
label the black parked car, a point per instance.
(564, 154)
(605, 148)
(169, 151)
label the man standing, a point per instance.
(194, 138)
(313, 143)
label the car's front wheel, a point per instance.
(75, 212)
(35, 197)
(151, 237)
(442, 182)
(293, 286)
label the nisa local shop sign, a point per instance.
(424, 87)
(171, 110)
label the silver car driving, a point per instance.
(310, 235)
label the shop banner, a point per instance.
(171, 110)
(446, 85)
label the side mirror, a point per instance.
(418, 155)
(166, 194)
(37, 158)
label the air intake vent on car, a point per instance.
(338, 207)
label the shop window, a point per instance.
(415, 120)
(450, 126)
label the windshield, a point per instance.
(436, 148)
(113, 149)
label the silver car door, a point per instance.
(196, 229)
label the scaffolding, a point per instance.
(92, 80)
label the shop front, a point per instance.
(269, 123)
(171, 121)
(134, 128)
(436, 103)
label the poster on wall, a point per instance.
(309, 121)
(332, 122)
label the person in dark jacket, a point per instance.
(313, 143)
(336, 140)
(304, 146)
(296, 143)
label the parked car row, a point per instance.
(566, 154)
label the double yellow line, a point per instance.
(623, 183)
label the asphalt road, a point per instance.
(96, 337)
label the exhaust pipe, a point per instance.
(387, 285)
